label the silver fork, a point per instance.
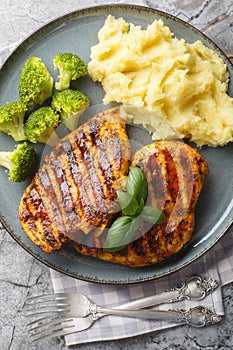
(56, 310)
(198, 316)
(78, 305)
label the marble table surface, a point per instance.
(20, 274)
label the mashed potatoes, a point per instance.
(169, 86)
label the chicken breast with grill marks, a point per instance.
(73, 194)
(175, 174)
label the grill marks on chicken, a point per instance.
(175, 174)
(74, 191)
(73, 195)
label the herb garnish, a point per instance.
(133, 207)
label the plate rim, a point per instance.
(91, 10)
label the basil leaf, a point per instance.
(119, 236)
(128, 203)
(140, 207)
(121, 221)
(153, 215)
(133, 226)
(116, 234)
(136, 183)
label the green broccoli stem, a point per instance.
(64, 81)
(72, 121)
(51, 140)
(19, 134)
(5, 159)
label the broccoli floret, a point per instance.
(40, 126)
(70, 104)
(21, 162)
(35, 83)
(70, 67)
(12, 120)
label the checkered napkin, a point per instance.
(217, 263)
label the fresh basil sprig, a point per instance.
(133, 207)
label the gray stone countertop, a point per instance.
(20, 274)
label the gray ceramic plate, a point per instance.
(77, 32)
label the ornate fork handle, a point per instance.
(198, 316)
(195, 288)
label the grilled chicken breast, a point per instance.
(175, 173)
(73, 194)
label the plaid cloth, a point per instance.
(217, 263)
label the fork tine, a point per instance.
(38, 320)
(57, 325)
(44, 321)
(45, 310)
(51, 296)
(55, 334)
(45, 304)
(41, 323)
(48, 314)
(49, 302)
(44, 300)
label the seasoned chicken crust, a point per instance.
(175, 174)
(73, 195)
(74, 191)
